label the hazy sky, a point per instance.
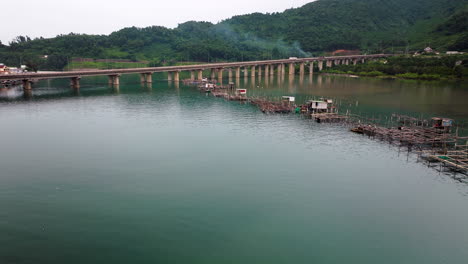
(49, 18)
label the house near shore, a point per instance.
(321, 106)
(11, 70)
(428, 50)
(454, 52)
(3, 69)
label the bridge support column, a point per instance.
(212, 74)
(149, 77)
(169, 76)
(200, 75)
(363, 60)
(176, 76)
(272, 70)
(246, 72)
(75, 82)
(146, 77)
(292, 69)
(260, 71)
(302, 68)
(279, 69)
(114, 79)
(252, 73)
(320, 65)
(355, 61)
(192, 75)
(311, 68)
(220, 75)
(346, 62)
(267, 71)
(238, 73)
(27, 85)
(230, 74)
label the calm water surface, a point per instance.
(169, 175)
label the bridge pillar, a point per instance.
(246, 72)
(363, 60)
(200, 75)
(283, 69)
(176, 76)
(252, 73)
(27, 85)
(114, 79)
(346, 62)
(355, 61)
(292, 69)
(311, 68)
(320, 65)
(220, 75)
(75, 82)
(212, 74)
(302, 68)
(272, 70)
(230, 74)
(267, 71)
(149, 77)
(146, 77)
(329, 63)
(192, 75)
(259, 71)
(238, 73)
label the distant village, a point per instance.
(429, 50)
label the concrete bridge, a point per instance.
(266, 67)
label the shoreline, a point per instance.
(392, 77)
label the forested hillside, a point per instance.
(321, 26)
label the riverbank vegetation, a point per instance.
(409, 67)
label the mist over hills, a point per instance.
(321, 26)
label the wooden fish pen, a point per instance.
(455, 158)
(273, 107)
(435, 140)
(219, 93)
(329, 117)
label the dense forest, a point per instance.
(322, 26)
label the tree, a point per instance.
(32, 64)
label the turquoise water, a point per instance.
(169, 175)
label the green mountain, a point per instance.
(321, 26)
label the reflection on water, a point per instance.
(161, 173)
(375, 96)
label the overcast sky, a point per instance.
(49, 18)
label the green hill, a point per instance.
(321, 26)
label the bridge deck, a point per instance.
(71, 74)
